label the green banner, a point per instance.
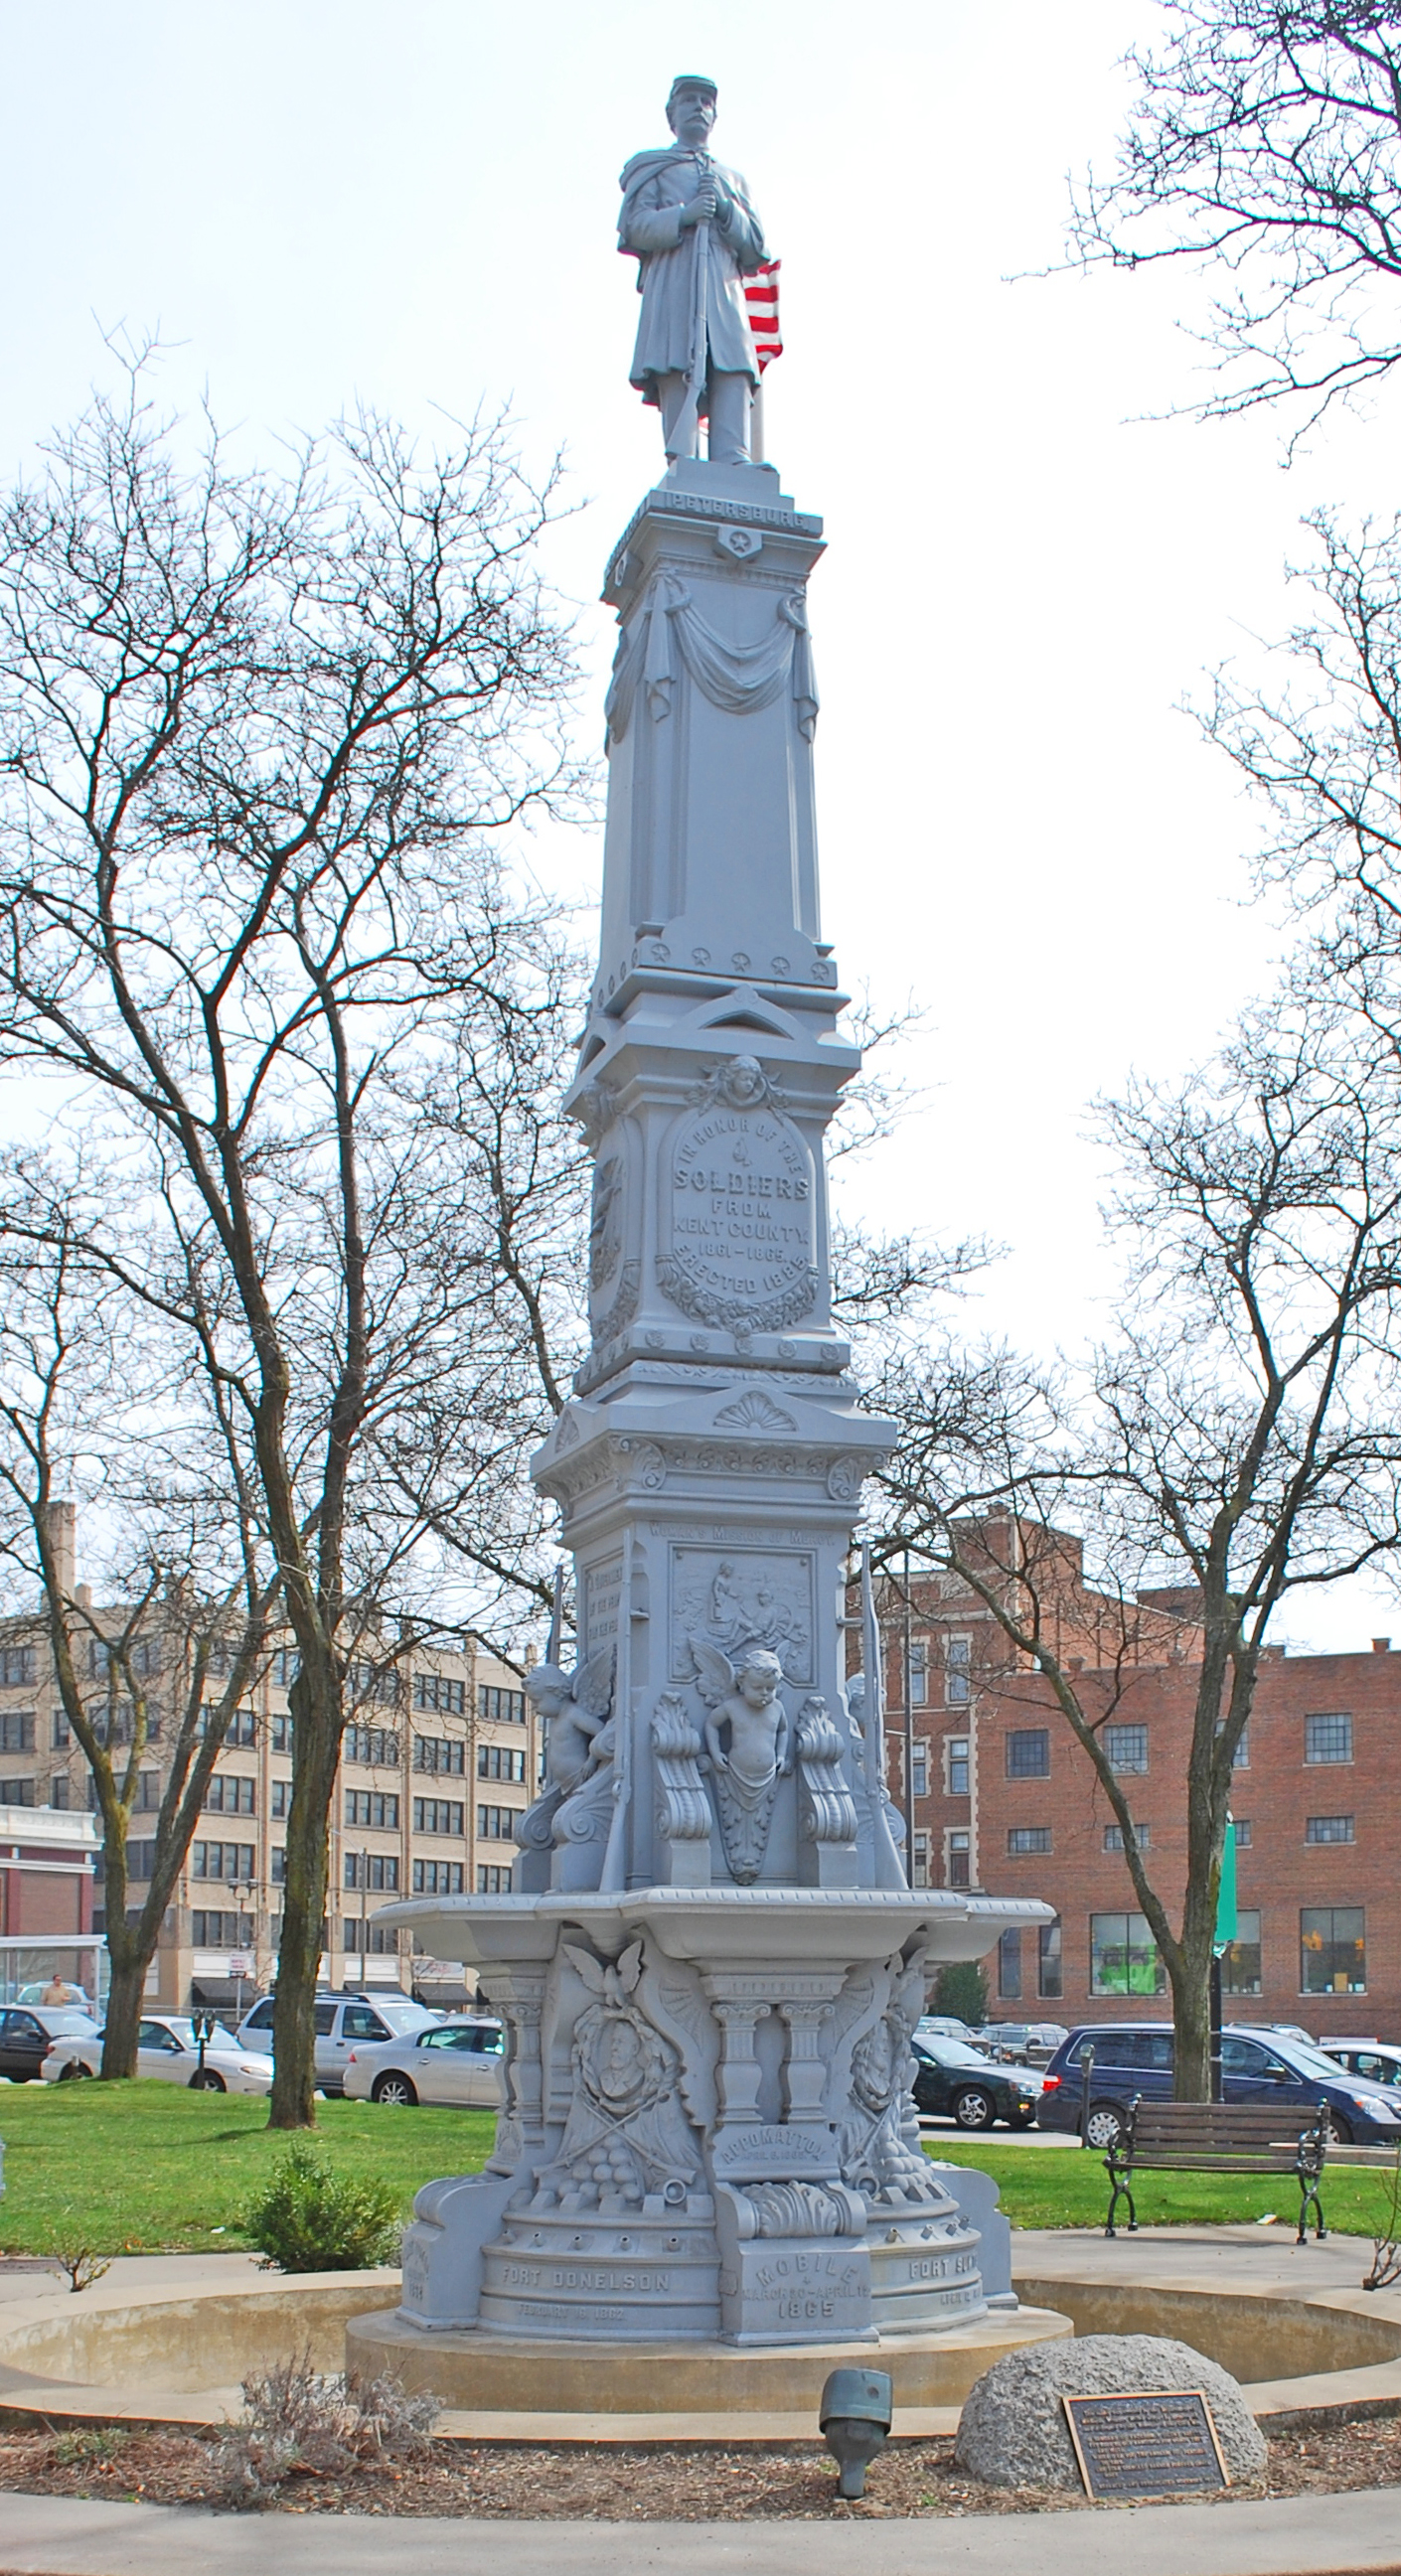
(1226, 1896)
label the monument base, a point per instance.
(479, 2372)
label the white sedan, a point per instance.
(456, 2061)
(167, 2048)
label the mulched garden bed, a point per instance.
(628, 2482)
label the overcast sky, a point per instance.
(323, 199)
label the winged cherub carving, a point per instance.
(749, 1748)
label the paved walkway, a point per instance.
(1331, 2535)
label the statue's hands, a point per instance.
(701, 207)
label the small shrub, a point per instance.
(300, 2422)
(75, 2259)
(94, 2442)
(311, 2219)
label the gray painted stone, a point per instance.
(1013, 2431)
(711, 1963)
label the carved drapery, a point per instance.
(740, 678)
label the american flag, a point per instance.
(761, 296)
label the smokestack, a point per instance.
(61, 1521)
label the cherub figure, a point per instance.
(744, 1705)
(573, 1707)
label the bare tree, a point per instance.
(1264, 145)
(168, 1654)
(1237, 1439)
(256, 733)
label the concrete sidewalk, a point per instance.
(1328, 2535)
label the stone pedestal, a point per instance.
(714, 1963)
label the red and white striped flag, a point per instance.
(761, 296)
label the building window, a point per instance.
(493, 1882)
(17, 1667)
(958, 1671)
(443, 1753)
(1123, 1957)
(497, 1824)
(240, 1734)
(501, 1707)
(17, 1730)
(62, 1733)
(956, 1756)
(1330, 1829)
(1126, 1748)
(148, 1792)
(919, 1671)
(230, 1794)
(280, 1793)
(376, 1745)
(921, 1878)
(59, 1789)
(1048, 1961)
(501, 1762)
(222, 1860)
(1245, 1832)
(439, 1691)
(1240, 1960)
(1009, 1967)
(371, 1940)
(221, 1931)
(18, 1793)
(1332, 1950)
(1240, 1759)
(286, 1664)
(1029, 1753)
(437, 1816)
(282, 1733)
(920, 1771)
(376, 1807)
(437, 1878)
(1114, 1837)
(1328, 1739)
(1024, 1839)
(366, 1681)
(959, 1848)
(278, 1860)
(373, 1870)
(141, 1860)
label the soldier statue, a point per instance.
(690, 224)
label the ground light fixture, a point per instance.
(855, 2419)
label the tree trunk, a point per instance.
(1191, 2020)
(129, 1965)
(315, 1755)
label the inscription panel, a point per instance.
(1161, 2442)
(603, 1592)
(740, 1240)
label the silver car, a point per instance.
(167, 2047)
(459, 2062)
(343, 2023)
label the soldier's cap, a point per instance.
(690, 80)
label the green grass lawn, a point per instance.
(149, 2168)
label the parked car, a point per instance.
(945, 2026)
(959, 2083)
(29, 2033)
(1370, 2057)
(167, 2047)
(456, 2061)
(343, 2022)
(1257, 2065)
(1022, 2043)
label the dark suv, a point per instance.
(1256, 2066)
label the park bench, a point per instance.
(1220, 2137)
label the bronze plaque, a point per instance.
(1150, 2443)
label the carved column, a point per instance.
(804, 2005)
(739, 2004)
(518, 1994)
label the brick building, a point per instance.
(1004, 1800)
(440, 1757)
(46, 1900)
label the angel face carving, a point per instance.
(747, 1703)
